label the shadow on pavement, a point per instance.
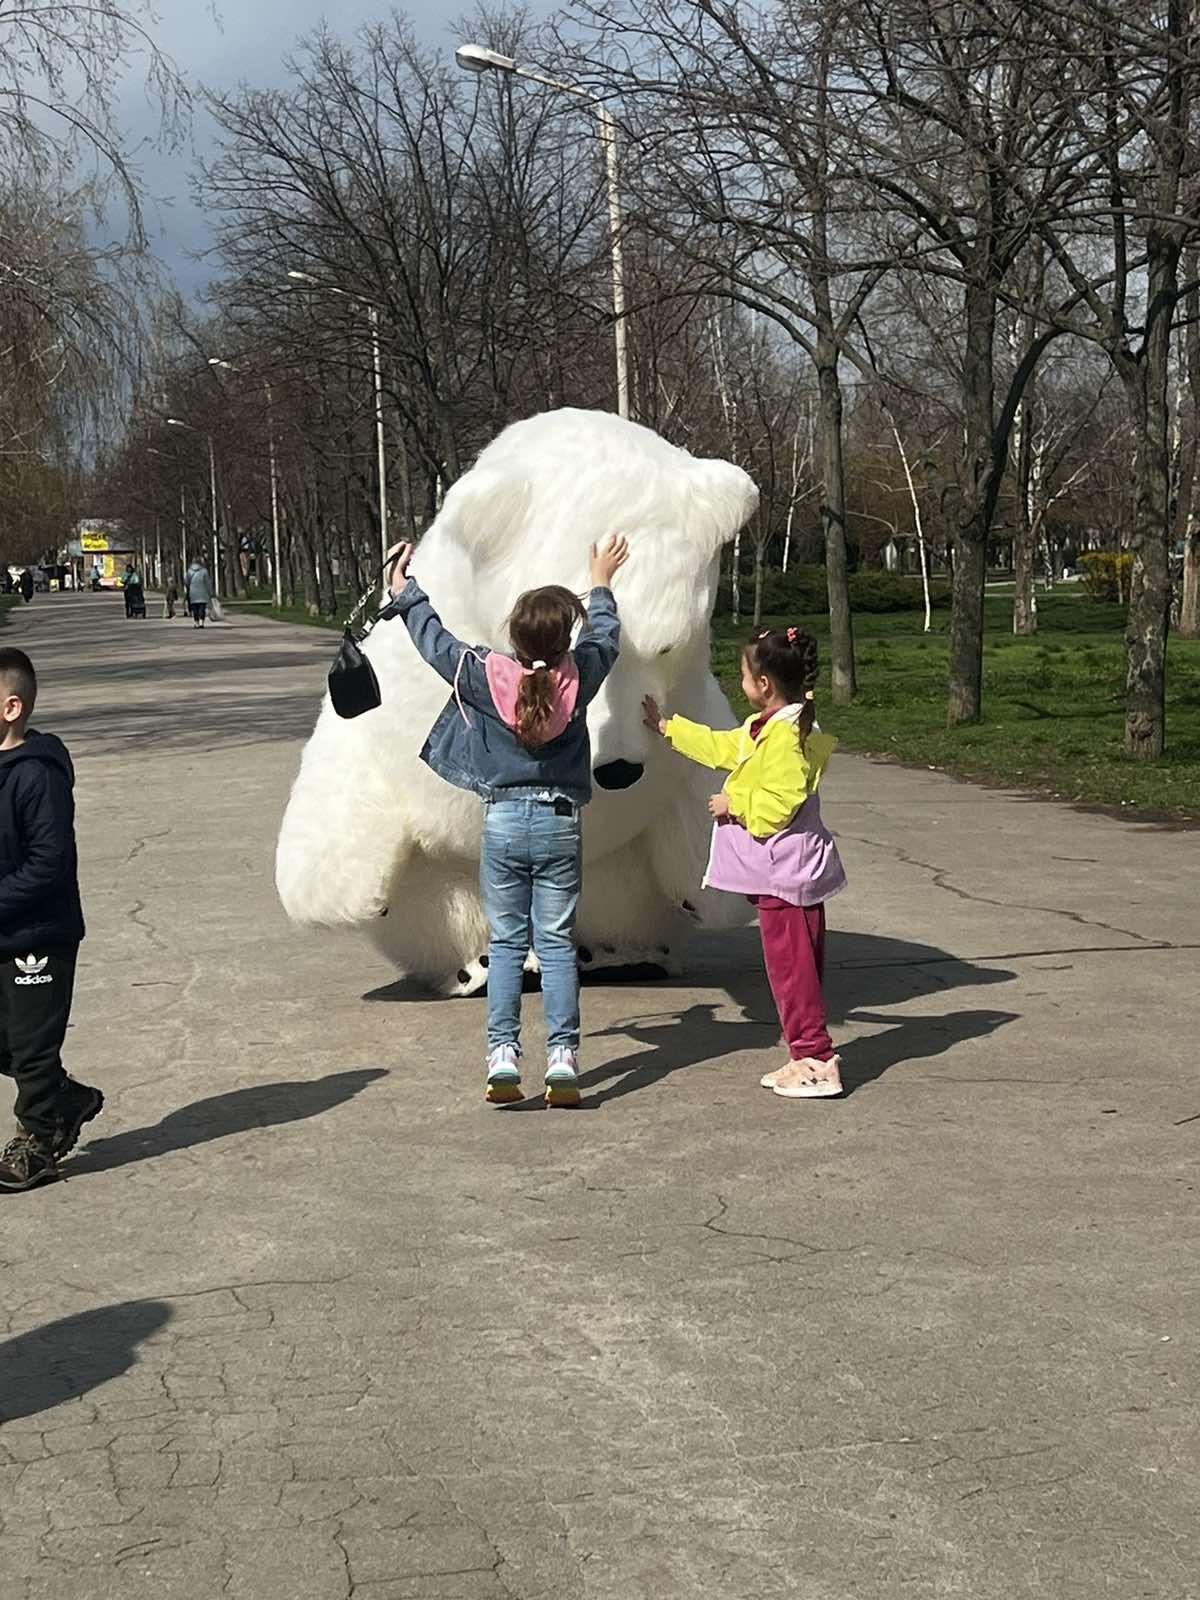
(864, 971)
(204, 722)
(53, 1364)
(263, 1105)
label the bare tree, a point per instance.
(1118, 250)
(739, 165)
(62, 63)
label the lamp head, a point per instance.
(475, 58)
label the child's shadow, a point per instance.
(676, 1039)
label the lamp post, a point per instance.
(377, 368)
(276, 564)
(475, 58)
(177, 422)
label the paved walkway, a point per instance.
(308, 1320)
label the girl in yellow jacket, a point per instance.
(770, 844)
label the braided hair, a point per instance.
(788, 657)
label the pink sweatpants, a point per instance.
(793, 941)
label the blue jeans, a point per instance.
(530, 871)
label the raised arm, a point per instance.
(600, 643)
(449, 657)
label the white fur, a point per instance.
(371, 836)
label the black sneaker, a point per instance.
(25, 1163)
(81, 1104)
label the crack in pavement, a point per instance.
(940, 877)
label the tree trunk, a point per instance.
(760, 556)
(979, 487)
(1150, 585)
(966, 627)
(1025, 619)
(1025, 541)
(1188, 527)
(326, 583)
(407, 511)
(833, 520)
(1189, 606)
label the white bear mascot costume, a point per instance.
(371, 836)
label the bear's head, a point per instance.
(527, 514)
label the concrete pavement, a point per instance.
(308, 1320)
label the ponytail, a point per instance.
(535, 702)
(540, 629)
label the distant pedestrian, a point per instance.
(770, 844)
(131, 583)
(172, 600)
(26, 586)
(199, 590)
(41, 927)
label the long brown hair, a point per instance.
(540, 629)
(788, 656)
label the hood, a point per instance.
(504, 677)
(39, 747)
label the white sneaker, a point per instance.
(504, 1074)
(562, 1077)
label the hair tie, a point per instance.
(808, 694)
(791, 633)
(765, 634)
(534, 665)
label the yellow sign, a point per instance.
(93, 542)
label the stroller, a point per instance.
(135, 601)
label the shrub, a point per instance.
(1106, 575)
(801, 592)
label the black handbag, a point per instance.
(353, 686)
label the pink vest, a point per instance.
(800, 865)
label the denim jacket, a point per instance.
(469, 745)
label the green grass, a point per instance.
(259, 605)
(1053, 705)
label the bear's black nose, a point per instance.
(619, 774)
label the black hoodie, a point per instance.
(39, 868)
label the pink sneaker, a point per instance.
(809, 1079)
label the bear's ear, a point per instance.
(485, 510)
(727, 495)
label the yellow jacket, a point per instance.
(770, 777)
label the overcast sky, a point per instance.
(247, 45)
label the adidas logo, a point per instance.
(33, 970)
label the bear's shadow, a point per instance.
(865, 974)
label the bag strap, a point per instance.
(362, 605)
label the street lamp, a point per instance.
(177, 422)
(475, 58)
(276, 566)
(377, 364)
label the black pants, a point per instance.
(35, 1004)
(199, 610)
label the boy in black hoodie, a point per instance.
(41, 926)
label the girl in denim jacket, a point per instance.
(770, 844)
(515, 733)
